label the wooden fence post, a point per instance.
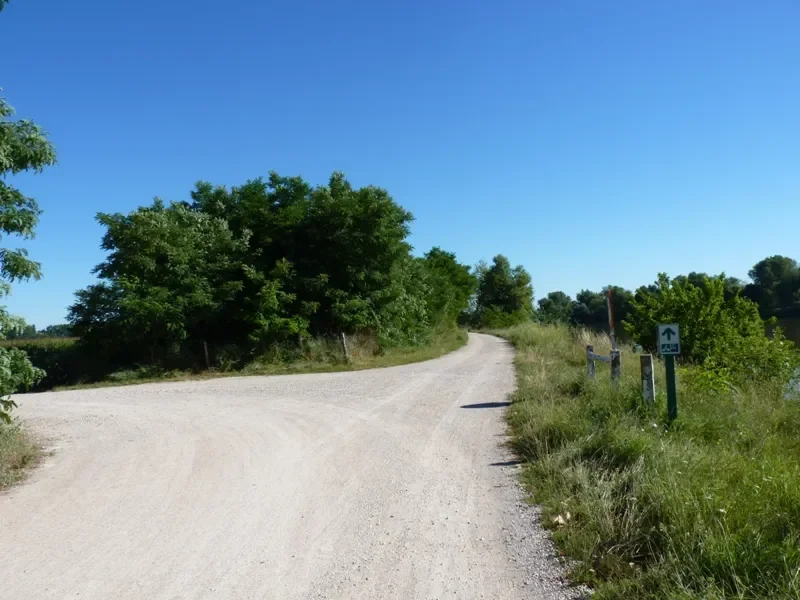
(345, 348)
(648, 379)
(205, 351)
(616, 366)
(590, 370)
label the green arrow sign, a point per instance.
(669, 343)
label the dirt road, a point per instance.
(369, 485)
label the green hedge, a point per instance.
(61, 358)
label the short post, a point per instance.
(345, 348)
(205, 351)
(616, 366)
(590, 370)
(648, 379)
(672, 396)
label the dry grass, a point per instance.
(18, 451)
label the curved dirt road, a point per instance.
(368, 485)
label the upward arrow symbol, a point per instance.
(668, 333)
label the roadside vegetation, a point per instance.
(17, 452)
(319, 355)
(705, 507)
(267, 278)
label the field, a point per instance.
(706, 508)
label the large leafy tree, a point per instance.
(505, 294)
(23, 147)
(169, 273)
(451, 285)
(591, 308)
(338, 246)
(776, 286)
(556, 307)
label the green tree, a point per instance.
(505, 294)
(731, 285)
(272, 261)
(14, 327)
(726, 335)
(451, 286)
(168, 275)
(591, 308)
(21, 331)
(23, 147)
(60, 330)
(554, 308)
(776, 286)
(342, 245)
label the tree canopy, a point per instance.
(505, 294)
(775, 287)
(554, 308)
(272, 261)
(724, 333)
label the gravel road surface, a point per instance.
(390, 483)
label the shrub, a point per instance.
(725, 334)
(59, 359)
(16, 373)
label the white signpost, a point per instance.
(669, 339)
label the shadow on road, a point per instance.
(506, 463)
(487, 405)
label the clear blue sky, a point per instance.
(592, 142)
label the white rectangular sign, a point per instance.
(669, 339)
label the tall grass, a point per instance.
(706, 508)
(17, 451)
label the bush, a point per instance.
(16, 373)
(493, 317)
(59, 358)
(723, 333)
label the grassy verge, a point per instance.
(17, 451)
(707, 508)
(318, 356)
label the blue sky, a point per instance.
(593, 143)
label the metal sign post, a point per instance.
(669, 345)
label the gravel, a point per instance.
(391, 483)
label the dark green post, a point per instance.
(672, 396)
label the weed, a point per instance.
(17, 451)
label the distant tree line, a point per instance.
(774, 288)
(16, 328)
